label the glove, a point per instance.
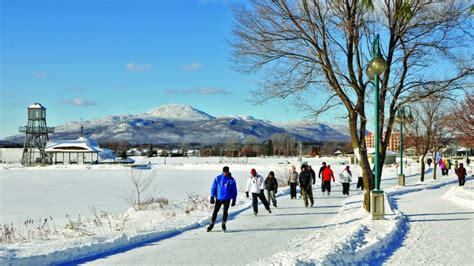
(212, 200)
(261, 191)
(233, 203)
(247, 193)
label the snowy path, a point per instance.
(437, 230)
(247, 240)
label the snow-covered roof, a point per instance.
(36, 105)
(389, 152)
(79, 145)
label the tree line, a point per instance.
(277, 145)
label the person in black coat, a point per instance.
(305, 185)
(271, 187)
(313, 174)
(321, 172)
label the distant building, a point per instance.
(393, 144)
(177, 153)
(79, 151)
(193, 153)
(162, 152)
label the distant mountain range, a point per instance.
(176, 123)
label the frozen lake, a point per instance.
(34, 192)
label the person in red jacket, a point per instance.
(327, 176)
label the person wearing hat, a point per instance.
(306, 180)
(255, 185)
(271, 188)
(346, 178)
(223, 190)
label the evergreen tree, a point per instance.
(268, 150)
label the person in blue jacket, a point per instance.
(223, 190)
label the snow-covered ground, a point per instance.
(336, 231)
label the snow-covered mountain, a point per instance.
(315, 131)
(176, 112)
(175, 123)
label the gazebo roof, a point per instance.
(79, 145)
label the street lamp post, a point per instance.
(375, 68)
(403, 116)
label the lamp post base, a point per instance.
(377, 204)
(401, 180)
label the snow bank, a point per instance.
(372, 241)
(148, 226)
(352, 237)
(462, 196)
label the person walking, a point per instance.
(461, 173)
(255, 185)
(305, 184)
(320, 174)
(271, 187)
(328, 174)
(442, 166)
(448, 166)
(223, 190)
(346, 178)
(313, 174)
(429, 161)
(360, 180)
(293, 181)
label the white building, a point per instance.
(79, 151)
(193, 153)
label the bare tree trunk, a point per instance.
(138, 197)
(422, 168)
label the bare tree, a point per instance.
(328, 148)
(141, 181)
(321, 48)
(462, 120)
(423, 133)
(284, 144)
(441, 138)
(231, 146)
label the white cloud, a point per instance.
(41, 75)
(79, 102)
(134, 67)
(192, 67)
(198, 91)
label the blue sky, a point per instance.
(93, 58)
(88, 59)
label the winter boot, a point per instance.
(255, 213)
(209, 228)
(224, 228)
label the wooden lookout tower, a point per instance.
(36, 136)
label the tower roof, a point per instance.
(36, 105)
